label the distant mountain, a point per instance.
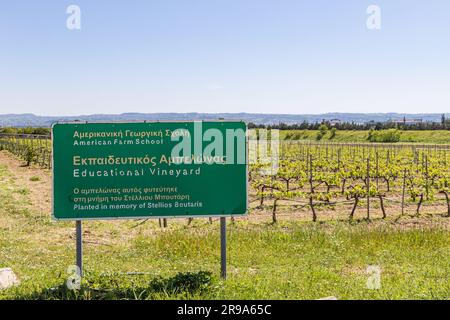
(31, 120)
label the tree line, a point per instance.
(444, 124)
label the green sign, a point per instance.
(158, 169)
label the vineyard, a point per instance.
(29, 147)
(319, 176)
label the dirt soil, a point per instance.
(34, 179)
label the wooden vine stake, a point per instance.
(403, 192)
(368, 189)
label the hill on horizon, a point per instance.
(32, 120)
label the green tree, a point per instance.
(323, 129)
(333, 133)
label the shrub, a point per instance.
(323, 129)
(30, 155)
(288, 136)
(333, 133)
(391, 135)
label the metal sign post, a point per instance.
(79, 245)
(223, 247)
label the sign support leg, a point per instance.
(223, 248)
(79, 246)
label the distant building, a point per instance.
(408, 121)
(334, 122)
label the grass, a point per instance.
(291, 260)
(425, 136)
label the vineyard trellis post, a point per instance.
(377, 167)
(368, 189)
(426, 179)
(403, 192)
(311, 202)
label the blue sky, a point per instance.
(286, 56)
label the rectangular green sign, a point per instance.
(149, 169)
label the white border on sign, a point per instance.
(220, 215)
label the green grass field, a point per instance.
(293, 259)
(425, 136)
